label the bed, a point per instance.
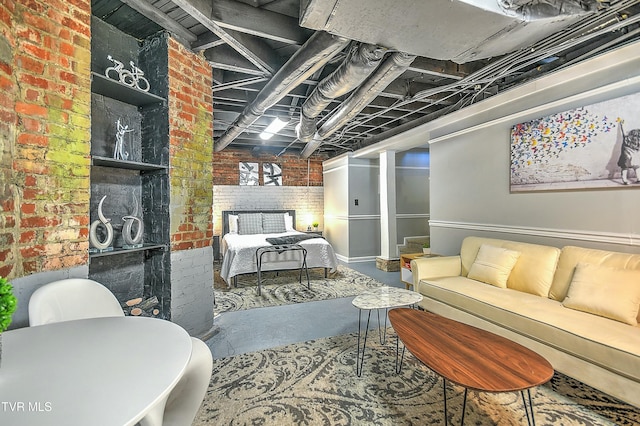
(243, 235)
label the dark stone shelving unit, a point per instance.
(144, 177)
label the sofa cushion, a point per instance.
(608, 292)
(493, 265)
(532, 273)
(572, 255)
(610, 344)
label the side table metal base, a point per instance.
(380, 298)
(381, 330)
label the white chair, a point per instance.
(78, 298)
(70, 299)
(186, 398)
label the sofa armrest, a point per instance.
(431, 267)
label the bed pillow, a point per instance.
(233, 223)
(493, 265)
(288, 222)
(273, 223)
(604, 291)
(250, 223)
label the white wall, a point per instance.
(304, 200)
(470, 169)
(354, 230)
(412, 194)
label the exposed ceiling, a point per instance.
(359, 71)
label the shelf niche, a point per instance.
(142, 177)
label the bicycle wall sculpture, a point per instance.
(132, 78)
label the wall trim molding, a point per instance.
(413, 167)
(413, 216)
(377, 216)
(354, 217)
(346, 259)
(540, 109)
(569, 234)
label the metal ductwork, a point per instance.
(527, 10)
(475, 29)
(362, 59)
(391, 68)
(314, 54)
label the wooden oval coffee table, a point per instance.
(470, 357)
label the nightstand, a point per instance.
(216, 247)
(313, 232)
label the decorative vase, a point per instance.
(426, 250)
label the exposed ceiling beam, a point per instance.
(390, 114)
(156, 15)
(256, 51)
(238, 83)
(438, 68)
(232, 93)
(226, 58)
(263, 23)
(218, 76)
(206, 41)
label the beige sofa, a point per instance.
(558, 302)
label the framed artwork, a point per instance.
(595, 146)
(249, 174)
(272, 174)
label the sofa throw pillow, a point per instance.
(273, 223)
(493, 265)
(250, 223)
(604, 291)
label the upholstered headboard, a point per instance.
(226, 213)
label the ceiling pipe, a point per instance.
(361, 60)
(389, 70)
(315, 53)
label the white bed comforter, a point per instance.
(239, 254)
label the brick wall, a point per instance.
(191, 148)
(44, 135)
(294, 168)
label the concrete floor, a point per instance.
(251, 330)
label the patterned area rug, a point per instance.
(314, 383)
(283, 288)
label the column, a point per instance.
(388, 260)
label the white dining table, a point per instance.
(99, 371)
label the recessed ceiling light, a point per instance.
(276, 125)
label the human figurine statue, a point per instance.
(629, 153)
(119, 153)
